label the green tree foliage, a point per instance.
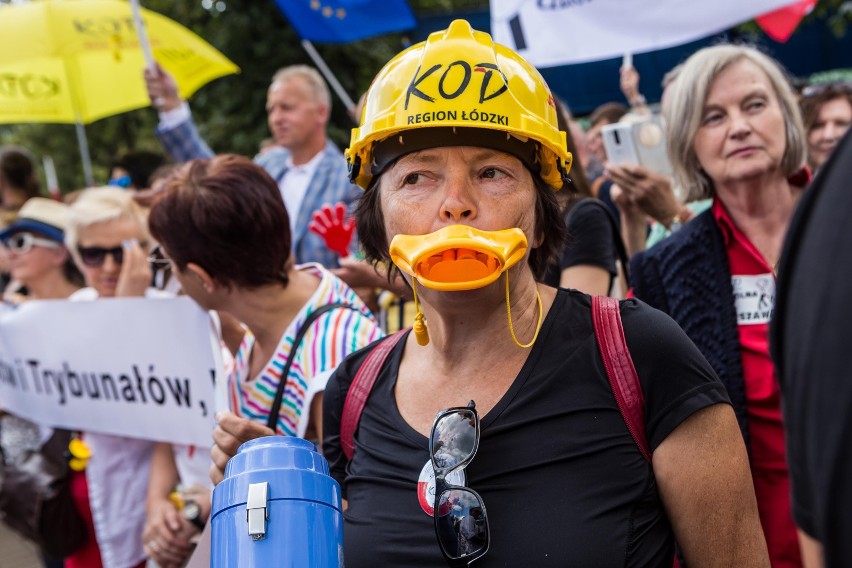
(835, 14)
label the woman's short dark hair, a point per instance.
(18, 169)
(549, 224)
(226, 215)
(140, 165)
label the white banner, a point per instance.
(136, 367)
(560, 32)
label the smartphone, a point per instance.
(641, 143)
(619, 145)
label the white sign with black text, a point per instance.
(561, 32)
(136, 367)
(754, 298)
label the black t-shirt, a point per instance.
(591, 241)
(562, 480)
(810, 345)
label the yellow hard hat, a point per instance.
(459, 88)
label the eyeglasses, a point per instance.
(161, 266)
(158, 259)
(21, 243)
(461, 524)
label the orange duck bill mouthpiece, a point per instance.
(458, 257)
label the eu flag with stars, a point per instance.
(342, 21)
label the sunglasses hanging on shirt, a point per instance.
(461, 524)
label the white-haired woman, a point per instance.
(108, 234)
(734, 134)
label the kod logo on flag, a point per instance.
(342, 21)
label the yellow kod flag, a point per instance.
(79, 61)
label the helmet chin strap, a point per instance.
(421, 331)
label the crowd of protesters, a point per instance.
(513, 355)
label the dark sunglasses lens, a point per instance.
(461, 524)
(95, 256)
(453, 438)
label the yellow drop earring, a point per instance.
(421, 331)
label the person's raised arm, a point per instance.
(629, 82)
(705, 484)
(162, 89)
(176, 131)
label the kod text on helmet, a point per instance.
(454, 81)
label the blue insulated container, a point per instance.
(277, 506)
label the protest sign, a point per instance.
(136, 367)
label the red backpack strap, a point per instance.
(623, 379)
(359, 390)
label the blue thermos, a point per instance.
(277, 506)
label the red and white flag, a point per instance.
(780, 24)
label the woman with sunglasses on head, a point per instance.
(108, 237)
(459, 155)
(827, 115)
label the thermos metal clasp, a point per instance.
(256, 510)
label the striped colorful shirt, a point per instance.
(330, 338)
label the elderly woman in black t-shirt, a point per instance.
(459, 152)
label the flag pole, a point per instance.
(142, 33)
(83, 143)
(329, 76)
(50, 176)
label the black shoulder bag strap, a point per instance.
(272, 423)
